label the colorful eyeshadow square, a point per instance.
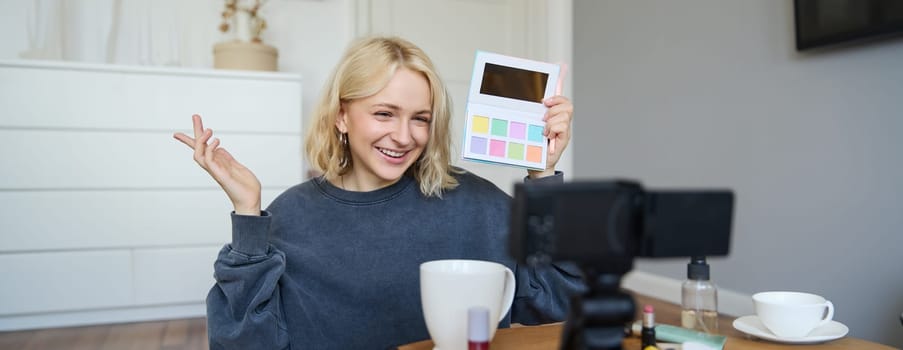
(517, 131)
(535, 133)
(497, 148)
(516, 151)
(534, 154)
(477, 145)
(480, 124)
(499, 127)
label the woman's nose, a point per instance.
(402, 133)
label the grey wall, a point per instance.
(708, 93)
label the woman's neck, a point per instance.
(350, 182)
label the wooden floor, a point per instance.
(186, 334)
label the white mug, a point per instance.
(448, 288)
(792, 314)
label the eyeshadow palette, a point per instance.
(504, 110)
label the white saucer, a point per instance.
(753, 326)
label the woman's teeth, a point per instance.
(391, 153)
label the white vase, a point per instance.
(243, 26)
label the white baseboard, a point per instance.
(668, 289)
(94, 317)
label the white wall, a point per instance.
(700, 93)
(310, 35)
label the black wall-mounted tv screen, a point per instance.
(829, 22)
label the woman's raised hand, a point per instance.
(558, 129)
(240, 184)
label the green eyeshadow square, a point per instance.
(515, 151)
(499, 127)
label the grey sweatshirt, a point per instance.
(324, 268)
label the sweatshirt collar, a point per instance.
(363, 198)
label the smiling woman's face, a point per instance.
(387, 132)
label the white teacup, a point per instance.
(448, 288)
(792, 314)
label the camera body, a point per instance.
(605, 224)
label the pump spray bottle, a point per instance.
(699, 298)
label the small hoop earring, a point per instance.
(343, 138)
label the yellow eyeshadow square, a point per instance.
(480, 124)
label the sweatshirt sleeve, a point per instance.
(244, 307)
(544, 292)
(552, 179)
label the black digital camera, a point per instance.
(608, 223)
(601, 226)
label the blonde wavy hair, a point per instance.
(366, 68)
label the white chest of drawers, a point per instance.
(104, 217)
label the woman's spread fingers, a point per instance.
(198, 125)
(208, 153)
(188, 141)
(205, 137)
(200, 146)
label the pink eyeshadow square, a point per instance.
(497, 148)
(517, 130)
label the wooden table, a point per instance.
(547, 337)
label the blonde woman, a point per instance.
(333, 262)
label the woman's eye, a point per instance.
(383, 114)
(422, 119)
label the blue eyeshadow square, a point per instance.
(534, 134)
